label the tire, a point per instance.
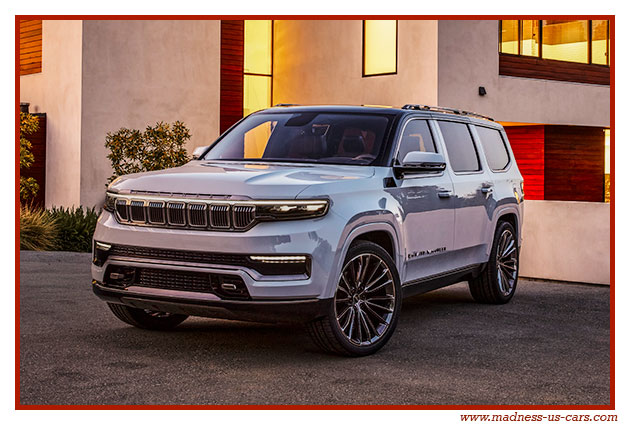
(146, 319)
(497, 282)
(373, 305)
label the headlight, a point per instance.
(110, 202)
(291, 210)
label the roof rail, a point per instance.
(279, 105)
(446, 110)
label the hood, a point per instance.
(239, 179)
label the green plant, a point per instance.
(158, 147)
(38, 229)
(76, 227)
(28, 125)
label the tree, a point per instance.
(157, 148)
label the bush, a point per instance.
(38, 230)
(157, 148)
(59, 229)
(76, 228)
(28, 125)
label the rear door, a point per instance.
(427, 207)
(472, 188)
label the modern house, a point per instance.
(547, 81)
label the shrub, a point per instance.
(28, 125)
(158, 147)
(76, 228)
(38, 230)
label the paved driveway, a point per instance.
(550, 345)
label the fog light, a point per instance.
(100, 253)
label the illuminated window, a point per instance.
(257, 65)
(565, 40)
(580, 41)
(380, 47)
(509, 37)
(599, 37)
(529, 38)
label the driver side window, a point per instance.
(416, 137)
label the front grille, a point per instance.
(209, 258)
(192, 215)
(244, 215)
(121, 210)
(222, 285)
(175, 213)
(174, 279)
(137, 211)
(197, 215)
(220, 216)
(156, 212)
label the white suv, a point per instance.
(327, 215)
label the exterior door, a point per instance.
(427, 208)
(473, 200)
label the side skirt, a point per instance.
(431, 283)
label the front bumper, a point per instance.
(316, 238)
(192, 304)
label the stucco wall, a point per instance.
(320, 62)
(468, 58)
(57, 92)
(566, 241)
(136, 73)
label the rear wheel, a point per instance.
(365, 309)
(146, 319)
(497, 283)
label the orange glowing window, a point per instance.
(380, 47)
(257, 65)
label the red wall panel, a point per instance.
(232, 51)
(528, 145)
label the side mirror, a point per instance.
(199, 151)
(417, 161)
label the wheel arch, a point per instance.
(511, 214)
(376, 232)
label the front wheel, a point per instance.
(364, 312)
(497, 282)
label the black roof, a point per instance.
(417, 110)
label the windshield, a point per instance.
(334, 138)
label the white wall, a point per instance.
(136, 73)
(320, 62)
(468, 58)
(57, 92)
(566, 241)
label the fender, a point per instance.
(503, 210)
(348, 236)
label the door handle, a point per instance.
(444, 194)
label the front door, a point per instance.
(427, 209)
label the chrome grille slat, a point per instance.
(155, 211)
(122, 210)
(137, 212)
(197, 215)
(220, 216)
(244, 215)
(176, 213)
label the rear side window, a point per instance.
(460, 146)
(494, 148)
(416, 137)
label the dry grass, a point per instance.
(38, 229)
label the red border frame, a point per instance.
(19, 406)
